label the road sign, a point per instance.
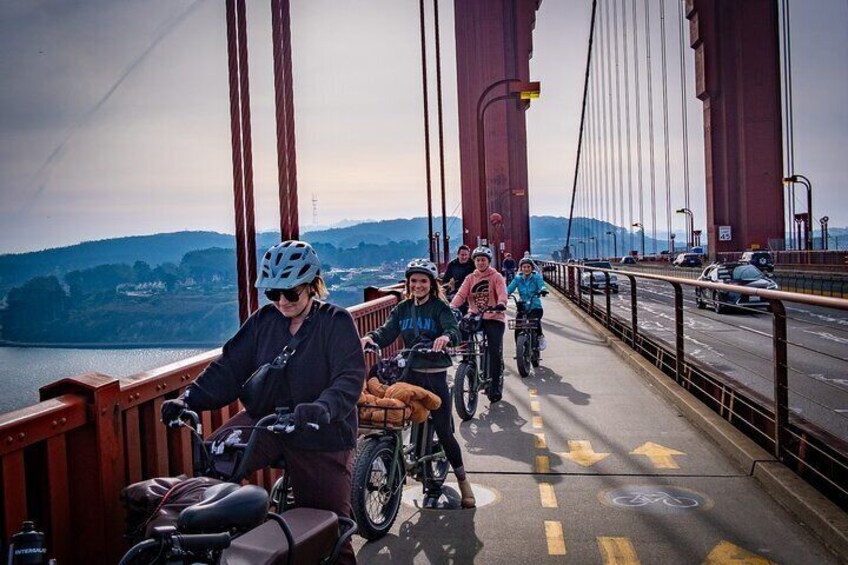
(724, 233)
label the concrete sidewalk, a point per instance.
(585, 462)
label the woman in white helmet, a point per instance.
(322, 381)
(486, 288)
(426, 316)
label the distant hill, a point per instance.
(547, 234)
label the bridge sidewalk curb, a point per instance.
(826, 520)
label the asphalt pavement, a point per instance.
(584, 462)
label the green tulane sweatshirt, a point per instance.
(432, 319)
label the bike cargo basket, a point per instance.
(521, 324)
(376, 417)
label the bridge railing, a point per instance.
(815, 448)
(64, 461)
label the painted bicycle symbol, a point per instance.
(644, 499)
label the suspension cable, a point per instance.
(445, 236)
(627, 122)
(651, 127)
(606, 105)
(638, 90)
(620, 217)
(681, 17)
(427, 133)
(789, 126)
(665, 126)
(582, 119)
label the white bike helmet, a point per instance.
(482, 251)
(287, 265)
(423, 266)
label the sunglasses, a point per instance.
(290, 294)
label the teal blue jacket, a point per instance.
(527, 286)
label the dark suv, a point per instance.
(760, 259)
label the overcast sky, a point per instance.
(114, 114)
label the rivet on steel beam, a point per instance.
(9, 439)
(21, 436)
(63, 420)
(54, 423)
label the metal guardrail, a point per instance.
(64, 460)
(817, 455)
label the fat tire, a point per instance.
(465, 380)
(717, 305)
(522, 355)
(369, 451)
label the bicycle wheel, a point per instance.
(465, 390)
(522, 355)
(375, 502)
(436, 469)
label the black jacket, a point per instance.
(458, 271)
(328, 367)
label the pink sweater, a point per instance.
(482, 289)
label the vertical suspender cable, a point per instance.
(291, 154)
(638, 122)
(789, 126)
(280, 106)
(238, 188)
(582, 119)
(651, 126)
(609, 192)
(427, 134)
(690, 237)
(627, 122)
(250, 221)
(620, 217)
(666, 155)
(445, 236)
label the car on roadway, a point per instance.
(627, 260)
(687, 260)
(597, 280)
(734, 275)
(760, 259)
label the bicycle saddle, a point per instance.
(226, 506)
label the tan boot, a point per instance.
(468, 500)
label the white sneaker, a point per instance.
(543, 343)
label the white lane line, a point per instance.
(828, 336)
(758, 332)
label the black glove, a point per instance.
(172, 409)
(543, 293)
(310, 413)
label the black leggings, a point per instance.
(437, 383)
(494, 330)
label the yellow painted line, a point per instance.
(660, 456)
(581, 452)
(537, 422)
(532, 392)
(617, 551)
(548, 496)
(534, 406)
(541, 443)
(556, 541)
(543, 464)
(726, 553)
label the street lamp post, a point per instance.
(809, 186)
(823, 223)
(642, 229)
(614, 243)
(524, 91)
(690, 227)
(671, 238)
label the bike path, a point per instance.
(588, 464)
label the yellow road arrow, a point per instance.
(659, 455)
(581, 452)
(725, 553)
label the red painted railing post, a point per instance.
(96, 469)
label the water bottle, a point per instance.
(27, 547)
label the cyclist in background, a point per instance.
(324, 379)
(426, 316)
(529, 283)
(486, 288)
(508, 267)
(458, 269)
